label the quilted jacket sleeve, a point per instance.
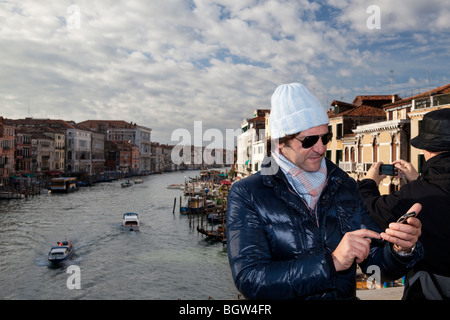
(392, 266)
(387, 208)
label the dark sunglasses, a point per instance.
(310, 141)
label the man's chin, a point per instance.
(313, 164)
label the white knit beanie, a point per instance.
(294, 109)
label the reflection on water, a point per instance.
(166, 259)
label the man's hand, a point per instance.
(374, 173)
(404, 236)
(354, 245)
(406, 169)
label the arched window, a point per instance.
(374, 150)
(394, 148)
(360, 151)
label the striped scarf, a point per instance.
(308, 185)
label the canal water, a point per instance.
(167, 259)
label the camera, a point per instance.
(388, 169)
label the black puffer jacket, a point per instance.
(278, 250)
(432, 191)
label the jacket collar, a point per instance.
(271, 172)
(437, 170)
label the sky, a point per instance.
(167, 64)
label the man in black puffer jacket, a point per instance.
(430, 278)
(297, 228)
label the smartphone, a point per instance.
(405, 217)
(402, 219)
(388, 169)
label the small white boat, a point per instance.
(130, 221)
(62, 252)
(138, 181)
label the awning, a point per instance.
(54, 173)
(29, 175)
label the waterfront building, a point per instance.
(42, 153)
(119, 130)
(157, 158)
(122, 156)
(97, 153)
(85, 154)
(7, 148)
(23, 153)
(56, 129)
(414, 108)
(389, 140)
(59, 138)
(78, 150)
(252, 143)
(167, 163)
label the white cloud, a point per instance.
(166, 63)
(396, 16)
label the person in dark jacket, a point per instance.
(297, 228)
(430, 278)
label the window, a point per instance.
(374, 150)
(338, 156)
(338, 130)
(394, 148)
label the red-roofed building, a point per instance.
(344, 118)
(389, 140)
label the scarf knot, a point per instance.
(308, 185)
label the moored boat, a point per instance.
(130, 221)
(11, 195)
(63, 184)
(62, 252)
(197, 204)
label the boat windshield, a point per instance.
(57, 253)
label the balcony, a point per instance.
(363, 167)
(355, 167)
(348, 166)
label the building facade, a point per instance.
(252, 143)
(7, 147)
(122, 131)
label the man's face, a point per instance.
(307, 159)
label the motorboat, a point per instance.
(61, 252)
(138, 181)
(130, 221)
(126, 184)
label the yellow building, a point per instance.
(359, 141)
(422, 104)
(389, 140)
